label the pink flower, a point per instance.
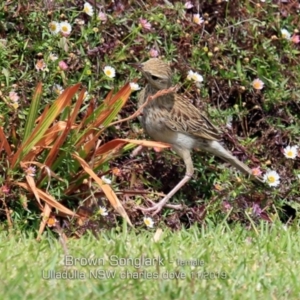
(102, 16)
(256, 209)
(153, 52)
(257, 84)
(13, 96)
(145, 24)
(295, 38)
(31, 171)
(63, 66)
(188, 5)
(5, 189)
(256, 171)
(226, 206)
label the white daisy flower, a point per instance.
(272, 178)
(109, 71)
(102, 211)
(57, 89)
(285, 34)
(54, 27)
(88, 9)
(197, 77)
(197, 19)
(190, 75)
(194, 76)
(106, 180)
(290, 152)
(53, 57)
(257, 84)
(134, 86)
(148, 222)
(65, 28)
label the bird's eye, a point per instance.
(154, 77)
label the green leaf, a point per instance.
(33, 111)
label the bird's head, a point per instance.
(157, 73)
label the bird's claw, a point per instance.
(153, 209)
(157, 207)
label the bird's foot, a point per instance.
(157, 207)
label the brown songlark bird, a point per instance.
(171, 119)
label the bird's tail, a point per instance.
(217, 149)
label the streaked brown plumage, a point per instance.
(172, 119)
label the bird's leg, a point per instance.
(173, 206)
(185, 154)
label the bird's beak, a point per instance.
(137, 66)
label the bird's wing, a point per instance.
(185, 117)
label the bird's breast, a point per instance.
(153, 122)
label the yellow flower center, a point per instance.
(53, 27)
(40, 64)
(289, 153)
(108, 72)
(64, 28)
(257, 85)
(271, 179)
